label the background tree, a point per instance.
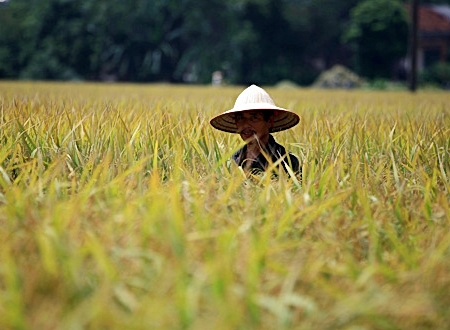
(378, 31)
(213, 37)
(134, 40)
(318, 26)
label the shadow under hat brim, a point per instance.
(284, 119)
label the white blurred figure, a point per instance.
(217, 78)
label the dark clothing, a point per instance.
(275, 151)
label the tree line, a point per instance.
(184, 41)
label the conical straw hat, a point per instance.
(255, 98)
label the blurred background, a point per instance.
(268, 42)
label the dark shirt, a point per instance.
(275, 151)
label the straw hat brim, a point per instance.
(284, 119)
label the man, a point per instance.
(254, 116)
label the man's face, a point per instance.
(252, 123)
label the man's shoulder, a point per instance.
(237, 155)
(277, 148)
(280, 151)
(293, 159)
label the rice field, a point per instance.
(120, 209)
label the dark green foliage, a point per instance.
(251, 41)
(438, 74)
(379, 33)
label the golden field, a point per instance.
(120, 209)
